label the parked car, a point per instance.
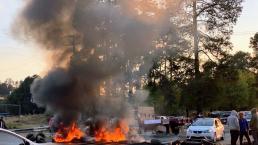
(205, 128)
(10, 138)
(224, 116)
(247, 115)
(215, 114)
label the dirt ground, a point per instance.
(26, 121)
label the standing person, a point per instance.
(244, 129)
(254, 125)
(53, 124)
(233, 125)
(2, 123)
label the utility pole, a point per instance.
(72, 43)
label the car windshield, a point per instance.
(248, 116)
(225, 114)
(203, 122)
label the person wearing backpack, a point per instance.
(2, 123)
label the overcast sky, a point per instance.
(19, 59)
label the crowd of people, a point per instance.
(240, 128)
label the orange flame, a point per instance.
(112, 135)
(68, 134)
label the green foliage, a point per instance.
(200, 93)
(254, 42)
(237, 92)
(165, 97)
(22, 96)
(231, 83)
(5, 88)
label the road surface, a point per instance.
(170, 138)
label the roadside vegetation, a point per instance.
(26, 121)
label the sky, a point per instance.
(246, 26)
(22, 58)
(18, 58)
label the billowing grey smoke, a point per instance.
(109, 36)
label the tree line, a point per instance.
(230, 83)
(19, 95)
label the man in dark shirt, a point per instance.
(2, 123)
(244, 128)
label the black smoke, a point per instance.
(105, 37)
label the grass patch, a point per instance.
(26, 121)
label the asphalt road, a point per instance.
(170, 138)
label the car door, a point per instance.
(219, 128)
(10, 139)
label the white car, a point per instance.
(205, 128)
(10, 138)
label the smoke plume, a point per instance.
(96, 39)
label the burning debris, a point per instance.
(68, 134)
(116, 133)
(104, 131)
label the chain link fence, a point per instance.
(10, 109)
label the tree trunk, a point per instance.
(199, 104)
(196, 49)
(165, 67)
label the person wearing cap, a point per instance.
(244, 129)
(2, 123)
(234, 127)
(254, 125)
